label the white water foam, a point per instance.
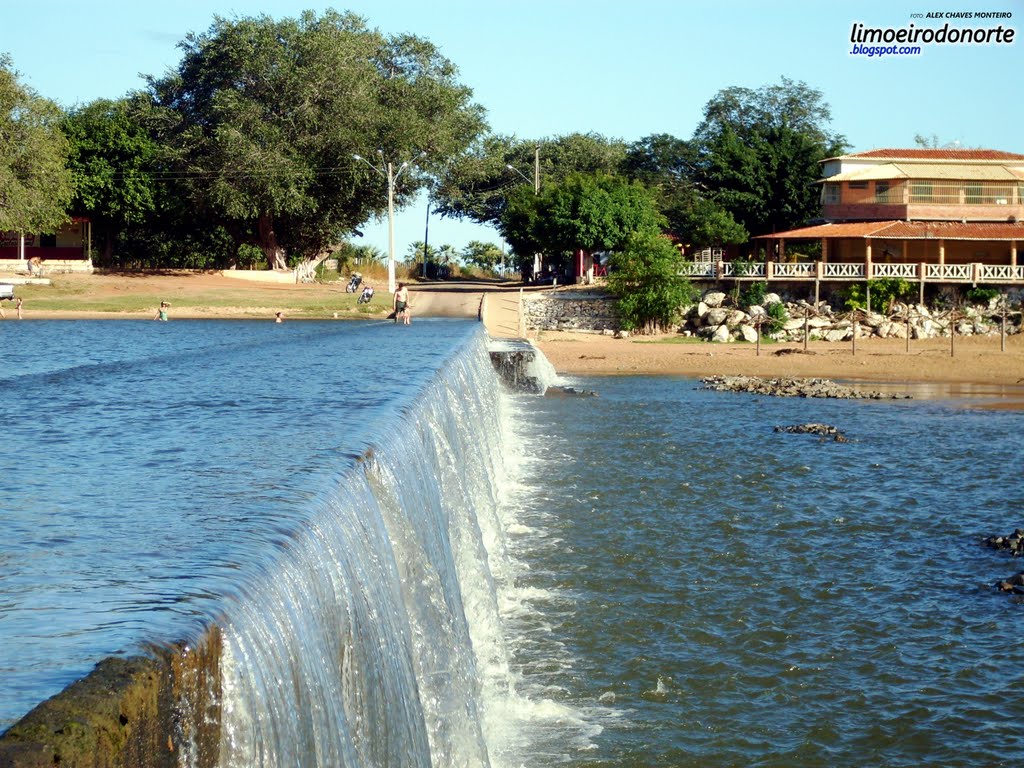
(384, 634)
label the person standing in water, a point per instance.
(402, 304)
(161, 314)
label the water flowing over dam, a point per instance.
(359, 624)
(377, 639)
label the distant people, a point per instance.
(17, 306)
(279, 317)
(161, 314)
(402, 304)
(366, 295)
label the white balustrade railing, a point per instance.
(795, 270)
(948, 271)
(698, 269)
(905, 271)
(743, 269)
(981, 273)
(842, 270)
(999, 273)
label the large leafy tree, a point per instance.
(265, 116)
(758, 153)
(588, 212)
(666, 165)
(477, 184)
(35, 185)
(647, 277)
(112, 157)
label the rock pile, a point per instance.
(824, 430)
(1014, 584)
(794, 388)
(713, 320)
(1014, 543)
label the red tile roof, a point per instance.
(908, 230)
(939, 154)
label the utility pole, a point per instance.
(387, 170)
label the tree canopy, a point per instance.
(35, 184)
(666, 166)
(757, 153)
(111, 158)
(477, 184)
(589, 212)
(264, 118)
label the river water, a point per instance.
(411, 567)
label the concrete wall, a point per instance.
(156, 711)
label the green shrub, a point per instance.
(884, 292)
(982, 295)
(779, 317)
(753, 295)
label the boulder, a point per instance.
(749, 333)
(714, 299)
(838, 334)
(736, 317)
(716, 316)
(771, 298)
(701, 310)
(721, 334)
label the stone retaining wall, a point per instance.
(570, 311)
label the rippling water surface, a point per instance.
(149, 466)
(709, 592)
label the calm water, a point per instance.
(652, 577)
(712, 593)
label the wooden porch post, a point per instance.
(824, 249)
(906, 250)
(942, 251)
(782, 249)
(1013, 253)
(867, 258)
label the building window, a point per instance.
(831, 195)
(858, 185)
(47, 241)
(921, 192)
(882, 192)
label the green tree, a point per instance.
(758, 153)
(483, 255)
(265, 116)
(112, 157)
(588, 212)
(647, 278)
(667, 166)
(477, 184)
(35, 184)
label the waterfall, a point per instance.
(375, 637)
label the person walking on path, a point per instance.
(402, 304)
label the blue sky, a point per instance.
(622, 69)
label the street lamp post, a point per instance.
(387, 170)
